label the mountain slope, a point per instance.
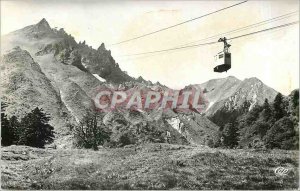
(218, 89)
(24, 86)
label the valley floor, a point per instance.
(150, 166)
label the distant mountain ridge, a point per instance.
(230, 93)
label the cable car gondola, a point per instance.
(223, 59)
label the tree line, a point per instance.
(271, 125)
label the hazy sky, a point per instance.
(273, 57)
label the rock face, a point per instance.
(195, 128)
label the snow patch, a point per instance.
(175, 123)
(83, 63)
(68, 108)
(210, 104)
(253, 103)
(99, 78)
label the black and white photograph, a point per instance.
(149, 95)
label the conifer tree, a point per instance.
(267, 112)
(278, 106)
(36, 130)
(230, 133)
(7, 133)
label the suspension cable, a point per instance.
(178, 24)
(213, 42)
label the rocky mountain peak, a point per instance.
(17, 48)
(232, 77)
(253, 79)
(157, 83)
(43, 24)
(140, 79)
(101, 47)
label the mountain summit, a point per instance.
(230, 93)
(43, 24)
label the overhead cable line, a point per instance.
(246, 27)
(170, 49)
(231, 32)
(151, 55)
(178, 24)
(264, 30)
(213, 42)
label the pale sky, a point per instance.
(273, 56)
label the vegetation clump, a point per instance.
(270, 126)
(31, 130)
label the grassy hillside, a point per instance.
(151, 166)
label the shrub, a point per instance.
(91, 132)
(282, 135)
